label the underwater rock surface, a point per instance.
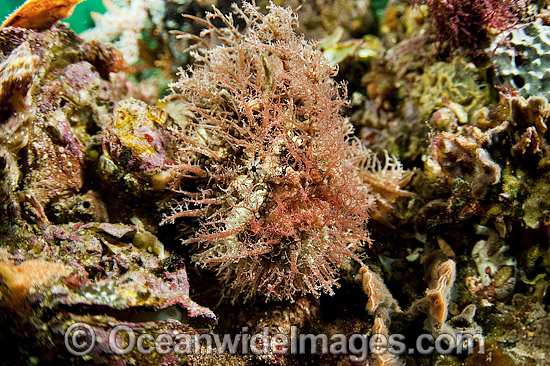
(65, 257)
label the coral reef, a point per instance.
(252, 198)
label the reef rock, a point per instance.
(69, 253)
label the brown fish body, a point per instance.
(40, 14)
